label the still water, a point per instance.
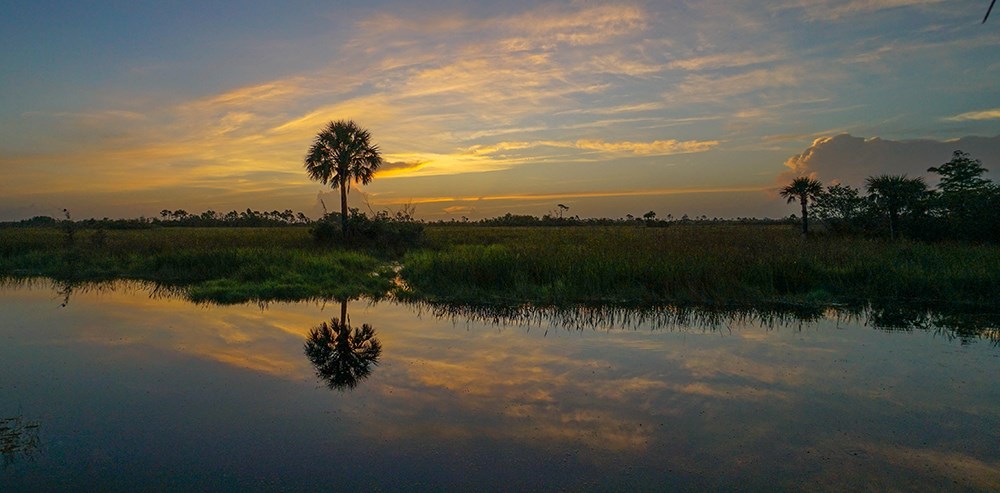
(124, 389)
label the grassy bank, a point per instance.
(697, 264)
(217, 264)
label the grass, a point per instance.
(226, 265)
(623, 265)
(730, 264)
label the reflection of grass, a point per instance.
(720, 264)
(630, 265)
(17, 438)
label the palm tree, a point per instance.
(804, 189)
(342, 153)
(895, 194)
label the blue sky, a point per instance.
(126, 108)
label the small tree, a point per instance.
(839, 206)
(961, 174)
(895, 195)
(964, 199)
(802, 189)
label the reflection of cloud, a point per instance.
(979, 474)
(851, 159)
(539, 398)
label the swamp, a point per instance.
(252, 359)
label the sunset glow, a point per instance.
(610, 108)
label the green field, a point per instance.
(624, 265)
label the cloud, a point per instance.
(267, 92)
(719, 87)
(851, 159)
(652, 148)
(578, 27)
(723, 60)
(993, 114)
(578, 195)
(392, 168)
(825, 10)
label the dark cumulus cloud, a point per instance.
(400, 166)
(850, 160)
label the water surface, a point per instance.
(124, 389)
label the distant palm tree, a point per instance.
(895, 194)
(342, 153)
(804, 189)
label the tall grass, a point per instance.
(716, 264)
(218, 264)
(723, 264)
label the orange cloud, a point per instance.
(573, 195)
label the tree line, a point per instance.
(177, 218)
(962, 206)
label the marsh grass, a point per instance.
(703, 265)
(226, 265)
(631, 265)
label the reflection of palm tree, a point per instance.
(342, 355)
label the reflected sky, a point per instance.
(135, 390)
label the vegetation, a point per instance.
(218, 264)
(633, 265)
(894, 195)
(633, 261)
(342, 153)
(383, 234)
(702, 265)
(962, 206)
(177, 218)
(802, 189)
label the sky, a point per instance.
(125, 108)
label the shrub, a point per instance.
(393, 234)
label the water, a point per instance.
(128, 390)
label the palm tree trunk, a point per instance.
(343, 313)
(893, 218)
(805, 215)
(343, 205)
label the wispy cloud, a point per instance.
(532, 90)
(837, 10)
(724, 60)
(582, 194)
(992, 114)
(653, 148)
